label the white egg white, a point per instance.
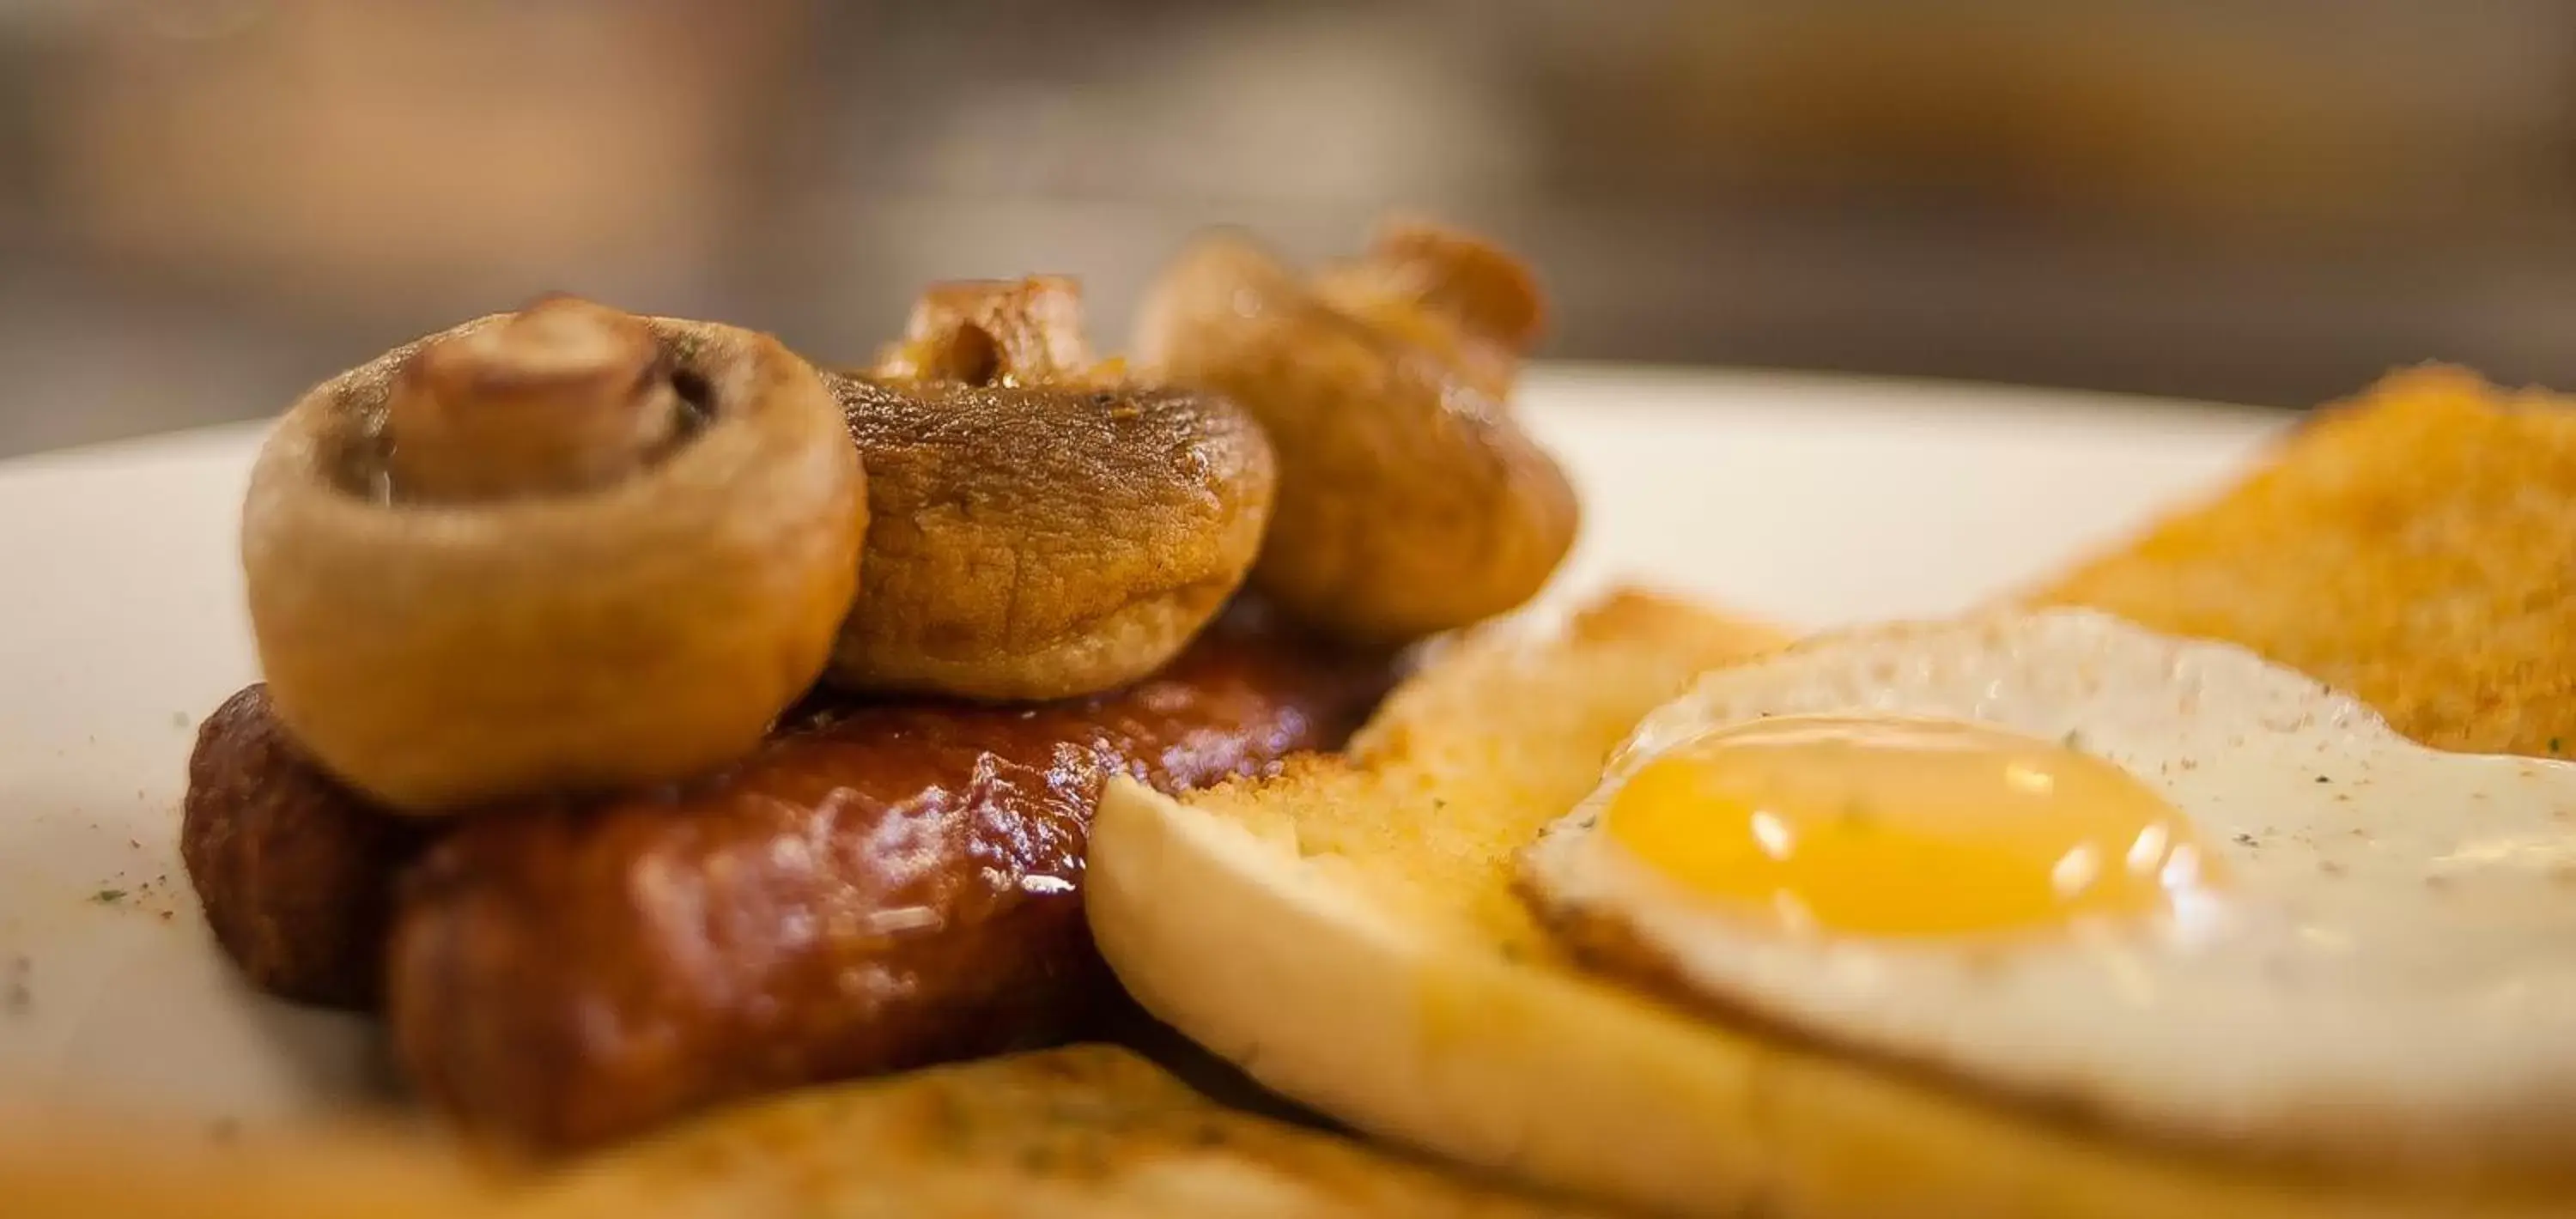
(2389, 973)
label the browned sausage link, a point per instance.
(890, 886)
(295, 872)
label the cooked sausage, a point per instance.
(295, 871)
(883, 886)
(961, 829)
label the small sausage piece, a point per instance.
(884, 886)
(295, 871)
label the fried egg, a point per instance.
(2158, 882)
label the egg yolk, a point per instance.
(1888, 826)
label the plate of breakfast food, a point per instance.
(585, 764)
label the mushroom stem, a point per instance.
(562, 396)
(508, 639)
(1473, 284)
(993, 332)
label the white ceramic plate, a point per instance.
(1808, 500)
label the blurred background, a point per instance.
(206, 205)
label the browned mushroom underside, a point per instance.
(1040, 542)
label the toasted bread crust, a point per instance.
(1086, 1130)
(2415, 546)
(1511, 720)
(1382, 880)
(1083, 1132)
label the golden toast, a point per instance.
(2415, 546)
(1347, 932)
(1083, 1132)
(1496, 736)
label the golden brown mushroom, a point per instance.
(1039, 527)
(562, 549)
(1409, 501)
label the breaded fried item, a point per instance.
(2415, 546)
(1082, 1132)
(1347, 934)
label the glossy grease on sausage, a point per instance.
(883, 886)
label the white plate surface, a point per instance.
(1809, 500)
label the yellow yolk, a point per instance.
(1877, 825)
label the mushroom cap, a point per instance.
(1410, 501)
(442, 655)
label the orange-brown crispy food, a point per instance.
(2415, 546)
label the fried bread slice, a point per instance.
(2415, 546)
(87, 1166)
(1348, 935)
(1082, 1132)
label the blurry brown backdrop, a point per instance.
(207, 204)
